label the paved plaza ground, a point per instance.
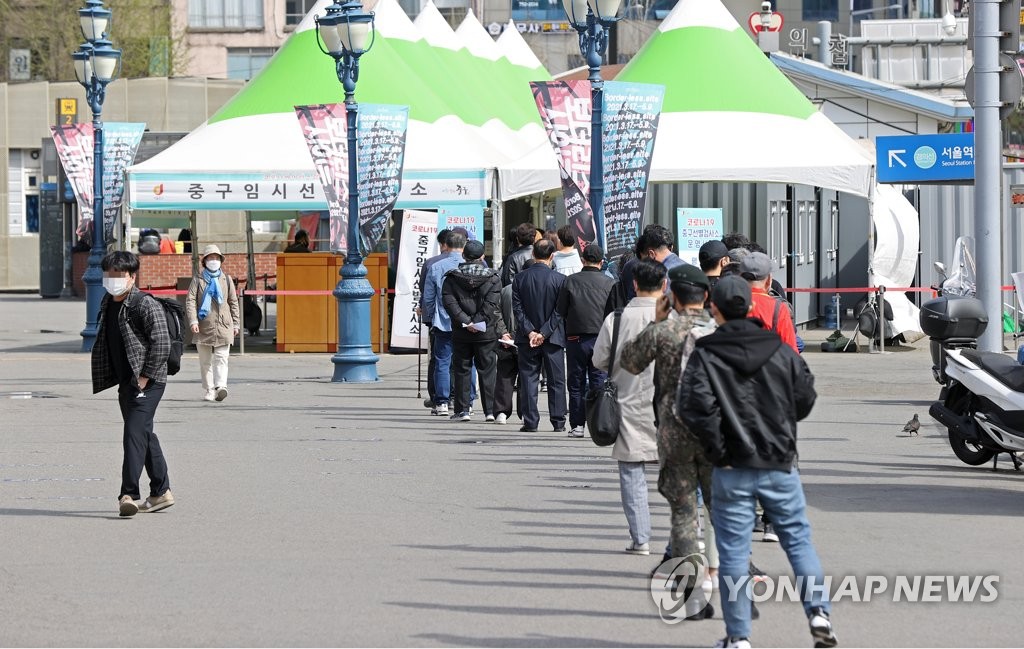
(310, 513)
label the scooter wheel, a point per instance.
(969, 452)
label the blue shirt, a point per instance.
(432, 290)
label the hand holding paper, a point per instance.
(476, 326)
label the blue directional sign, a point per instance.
(925, 158)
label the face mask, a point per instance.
(213, 265)
(116, 286)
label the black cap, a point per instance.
(712, 251)
(732, 297)
(473, 250)
(689, 274)
(592, 254)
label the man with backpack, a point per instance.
(773, 312)
(131, 352)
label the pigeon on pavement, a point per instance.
(913, 426)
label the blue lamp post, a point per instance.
(593, 21)
(347, 33)
(96, 65)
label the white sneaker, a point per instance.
(821, 628)
(210, 395)
(737, 643)
(222, 393)
(442, 410)
(577, 431)
(638, 548)
(489, 419)
(501, 418)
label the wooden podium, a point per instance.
(309, 323)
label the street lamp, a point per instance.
(345, 33)
(593, 20)
(96, 65)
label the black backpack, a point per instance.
(175, 316)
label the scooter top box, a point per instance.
(953, 316)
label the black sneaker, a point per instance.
(769, 533)
(734, 643)
(821, 628)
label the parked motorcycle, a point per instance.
(981, 403)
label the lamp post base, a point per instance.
(93, 280)
(354, 362)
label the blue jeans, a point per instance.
(583, 376)
(633, 488)
(442, 352)
(734, 492)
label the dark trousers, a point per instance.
(552, 359)
(583, 376)
(466, 355)
(505, 384)
(141, 447)
(431, 361)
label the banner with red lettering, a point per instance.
(75, 150)
(325, 131)
(418, 243)
(565, 110)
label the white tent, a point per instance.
(459, 130)
(729, 115)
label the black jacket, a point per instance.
(581, 301)
(534, 298)
(472, 293)
(742, 393)
(515, 263)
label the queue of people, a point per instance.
(706, 360)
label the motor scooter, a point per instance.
(981, 402)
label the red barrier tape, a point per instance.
(868, 289)
(257, 292)
(165, 291)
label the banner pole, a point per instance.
(419, 354)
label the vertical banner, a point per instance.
(381, 153)
(697, 226)
(120, 143)
(418, 243)
(565, 110)
(325, 131)
(465, 215)
(631, 112)
(75, 149)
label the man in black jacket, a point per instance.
(742, 393)
(526, 234)
(471, 295)
(540, 337)
(581, 305)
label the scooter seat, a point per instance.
(1005, 369)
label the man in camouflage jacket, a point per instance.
(668, 342)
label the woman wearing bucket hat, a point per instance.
(212, 311)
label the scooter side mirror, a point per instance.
(941, 269)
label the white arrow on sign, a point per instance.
(893, 156)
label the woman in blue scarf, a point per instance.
(212, 312)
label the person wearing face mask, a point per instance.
(212, 312)
(131, 349)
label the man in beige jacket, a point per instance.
(212, 312)
(637, 442)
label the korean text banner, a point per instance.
(381, 147)
(120, 143)
(630, 116)
(565, 110)
(697, 226)
(325, 131)
(465, 215)
(75, 149)
(418, 243)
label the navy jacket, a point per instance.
(534, 303)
